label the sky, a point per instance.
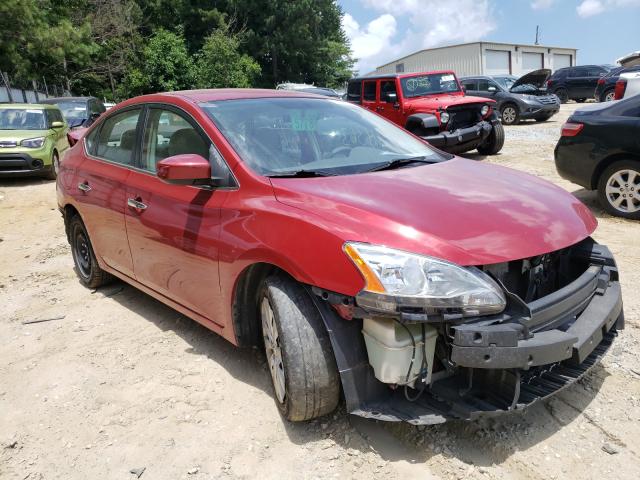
(383, 30)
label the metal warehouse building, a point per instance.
(484, 58)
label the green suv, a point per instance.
(33, 139)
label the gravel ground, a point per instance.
(123, 384)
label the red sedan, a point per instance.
(420, 285)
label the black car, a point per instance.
(606, 85)
(78, 111)
(517, 98)
(576, 83)
(600, 150)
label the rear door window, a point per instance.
(118, 136)
(470, 85)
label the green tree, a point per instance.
(220, 64)
(165, 65)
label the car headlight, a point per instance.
(33, 142)
(444, 117)
(396, 279)
(484, 110)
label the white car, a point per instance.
(628, 85)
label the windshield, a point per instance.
(505, 82)
(73, 110)
(429, 84)
(285, 135)
(22, 119)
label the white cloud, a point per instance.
(589, 8)
(431, 23)
(368, 42)
(541, 4)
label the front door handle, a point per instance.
(135, 203)
(84, 187)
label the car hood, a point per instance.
(431, 103)
(537, 78)
(459, 210)
(17, 135)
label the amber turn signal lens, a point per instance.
(372, 283)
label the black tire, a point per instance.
(581, 100)
(87, 268)
(562, 94)
(52, 173)
(629, 191)
(512, 114)
(608, 95)
(306, 360)
(494, 143)
(543, 119)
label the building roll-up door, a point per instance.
(561, 60)
(531, 61)
(497, 62)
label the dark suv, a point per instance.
(605, 89)
(576, 83)
(78, 111)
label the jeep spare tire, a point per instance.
(494, 142)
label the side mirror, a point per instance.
(57, 124)
(186, 169)
(492, 89)
(391, 97)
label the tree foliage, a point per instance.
(120, 48)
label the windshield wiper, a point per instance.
(302, 174)
(399, 162)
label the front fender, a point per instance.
(424, 120)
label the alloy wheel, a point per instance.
(610, 96)
(272, 349)
(623, 191)
(509, 115)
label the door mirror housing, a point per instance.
(186, 169)
(391, 97)
(492, 89)
(57, 124)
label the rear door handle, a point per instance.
(134, 203)
(84, 187)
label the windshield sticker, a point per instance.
(304, 121)
(417, 82)
(35, 111)
(447, 78)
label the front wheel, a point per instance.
(510, 115)
(299, 354)
(562, 95)
(494, 142)
(619, 189)
(52, 174)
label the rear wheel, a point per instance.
(52, 174)
(510, 114)
(87, 268)
(619, 189)
(562, 94)
(299, 355)
(494, 142)
(609, 95)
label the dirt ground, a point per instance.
(124, 383)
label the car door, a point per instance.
(100, 192)
(470, 86)
(174, 230)
(389, 101)
(578, 83)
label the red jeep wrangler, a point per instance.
(432, 105)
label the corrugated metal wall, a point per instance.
(463, 59)
(467, 59)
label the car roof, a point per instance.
(68, 99)
(27, 105)
(211, 95)
(399, 75)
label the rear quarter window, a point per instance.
(354, 92)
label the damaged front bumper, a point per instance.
(497, 364)
(462, 138)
